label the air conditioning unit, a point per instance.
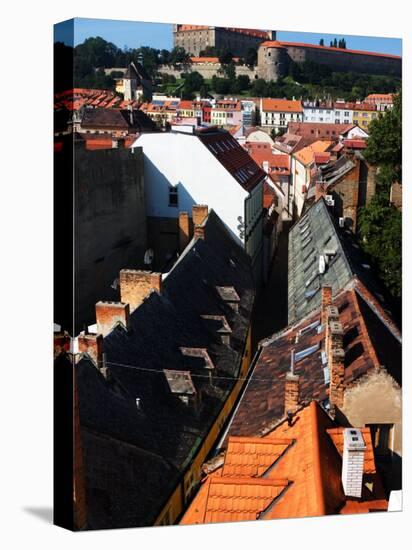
(329, 200)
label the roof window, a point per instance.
(309, 327)
(306, 352)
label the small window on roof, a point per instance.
(173, 197)
(305, 244)
(306, 352)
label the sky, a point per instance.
(159, 35)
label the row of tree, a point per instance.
(380, 223)
(334, 43)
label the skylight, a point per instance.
(306, 329)
(306, 352)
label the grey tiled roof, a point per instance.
(316, 234)
(311, 237)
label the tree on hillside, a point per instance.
(179, 55)
(251, 57)
(193, 82)
(225, 57)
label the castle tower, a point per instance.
(272, 60)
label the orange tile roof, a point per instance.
(282, 105)
(306, 155)
(389, 97)
(301, 467)
(206, 59)
(252, 456)
(234, 499)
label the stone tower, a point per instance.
(272, 60)
(131, 80)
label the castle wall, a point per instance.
(207, 70)
(346, 61)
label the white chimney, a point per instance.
(352, 465)
(265, 166)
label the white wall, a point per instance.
(274, 120)
(173, 159)
(300, 177)
(319, 114)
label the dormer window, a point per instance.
(173, 197)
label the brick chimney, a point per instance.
(320, 190)
(92, 344)
(109, 314)
(199, 232)
(291, 392)
(326, 301)
(336, 363)
(331, 314)
(184, 230)
(199, 213)
(136, 285)
(352, 464)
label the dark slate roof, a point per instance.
(162, 425)
(117, 119)
(316, 233)
(366, 329)
(332, 172)
(233, 157)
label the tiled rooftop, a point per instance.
(365, 328)
(293, 471)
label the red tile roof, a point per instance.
(355, 143)
(318, 129)
(294, 471)
(282, 105)
(232, 156)
(365, 325)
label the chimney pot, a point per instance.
(184, 230)
(199, 232)
(326, 301)
(199, 213)
(109, 314)
(291, 392)
(136, 285)
(92, 344)
(352, 464)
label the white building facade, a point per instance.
(182, 170)
(275, 114)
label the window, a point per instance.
(304, 353)
(173, 197)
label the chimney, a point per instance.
(291, 392)
(331, 314)
(92, 344)
(352, 464)
(335, 335)
(326, 301)
(265, 166)
(184, 230)
(199, 232)
(136, 285)
(336, 363)
(199, 213)
(320, 190)
(109, 314)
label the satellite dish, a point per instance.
(148, 256)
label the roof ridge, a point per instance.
(265, 440)
(231, 480)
